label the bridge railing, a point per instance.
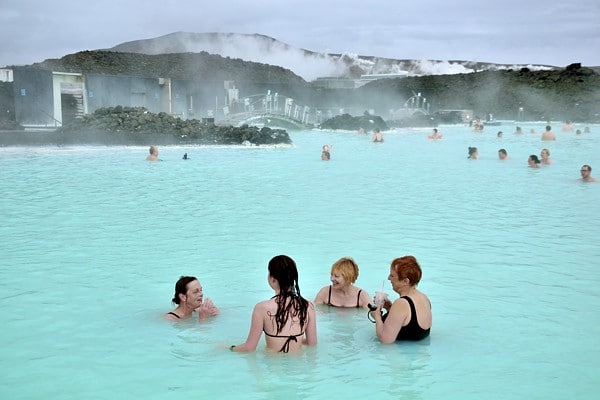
(274, 104)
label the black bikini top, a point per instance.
(286, 345)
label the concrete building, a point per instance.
(47, 99)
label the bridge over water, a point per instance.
(278, 111)
(273, 110)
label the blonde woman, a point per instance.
(342, 292)
(545, 156)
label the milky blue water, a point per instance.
(94, 238)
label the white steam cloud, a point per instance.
(307, 64)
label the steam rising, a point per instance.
(307, 64)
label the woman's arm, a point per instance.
(322, 296)
(388, 331)
(256, 328)
(310, 334)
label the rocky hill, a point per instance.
(305, 63)
(180, 65)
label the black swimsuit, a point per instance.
(333, 305)
(412, 331)
(172, 313)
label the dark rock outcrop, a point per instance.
(133, 125)
(366, 122)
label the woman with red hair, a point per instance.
(409, 317)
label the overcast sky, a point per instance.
(500, 31)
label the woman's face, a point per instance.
(337, 280)
(394, 280)
(194, 294)
(544, 154)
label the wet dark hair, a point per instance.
(535, 158)
(181, 287)
(588, 167)
(503, 151)
(289, 301)
(472, 151)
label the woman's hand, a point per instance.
(387, 304)
(207, 309)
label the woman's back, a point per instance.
(422, 308)
(291, 335)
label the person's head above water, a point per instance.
(407, 267)
(533, 159)
(153, 156)
(181, 288)
(347, 268)
(283, 269)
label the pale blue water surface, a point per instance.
(94, 238)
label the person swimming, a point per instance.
(435, 134)
(473, 153)
(185, 156)
(408, 317)
(325, 154)
(189, 297)
(153, 150)
(287, 315)
(377, 136)
(533, 161)
(342, 292)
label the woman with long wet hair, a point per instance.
(287, 319)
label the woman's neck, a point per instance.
(408, 291)
(344, 290)
(183, 310)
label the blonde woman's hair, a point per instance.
(346, 267)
